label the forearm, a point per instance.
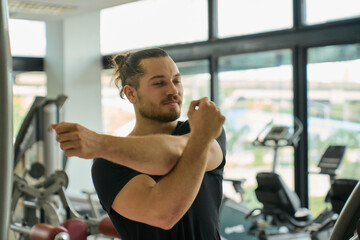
(153, 154)
(173, 195)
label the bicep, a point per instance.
(132, 201)
(215, 156)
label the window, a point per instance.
(117, 113)
(334, 113)
(153, 23)
(253, 16)
(321, 11)
(195, 81)
(27, 38)
(255, 89)
(26, 87)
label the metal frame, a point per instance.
(300, 112)
(6, 123)
(298, 39)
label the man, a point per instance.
(163, 181)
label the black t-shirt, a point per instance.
(199, 223)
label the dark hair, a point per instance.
(128, 69)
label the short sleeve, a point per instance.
(109, 178)
(222, 142)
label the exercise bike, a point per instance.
(281, 213)
(236, 218)
(281, 207)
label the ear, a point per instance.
(130, 93)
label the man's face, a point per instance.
(159, 95)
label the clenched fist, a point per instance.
(205, 119)
(76, 140)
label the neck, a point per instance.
(146, 126)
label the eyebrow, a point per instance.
(162, 76)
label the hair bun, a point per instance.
(119, 59)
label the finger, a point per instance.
(193, 105)
(64, 137)
(76, 153)
(53, 126)
(204, 99)
(65, 146)
(222, 119)
(64, 127)
(71, 153)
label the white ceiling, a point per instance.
(47, 10)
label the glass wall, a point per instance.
(322, 11)
(253, 16)
(255, 89)
(153, 23)
(334, 113)
(118, 114)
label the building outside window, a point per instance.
(333, 113)
(255, 89)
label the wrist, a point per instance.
(105, 144)
(200, 138)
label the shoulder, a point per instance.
(109, 178)
(222, 141)
(104, 169)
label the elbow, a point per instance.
(166, 220)
(167, 227)
(166, 224)
(169, 165)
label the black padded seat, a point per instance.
(278, 199)
(340, 192)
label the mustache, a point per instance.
(171, 98)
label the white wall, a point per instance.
(73, 67)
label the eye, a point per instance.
(177, 81)
(158, 83)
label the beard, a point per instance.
(153, 112)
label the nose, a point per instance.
(172, 89)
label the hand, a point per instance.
(76, 140)
(205, 119)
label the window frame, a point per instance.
(299, 38)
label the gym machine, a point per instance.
(347, 225)
(284, 218)
(6, 121)
(40, 208)
(234, 221)
(281, 213)
(237, 220)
